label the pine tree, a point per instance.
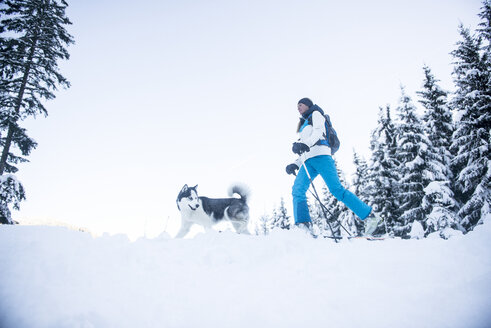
(437, 118)
(35, 39)
(382, 170)
(280, 218)
(439, 204)
(413, 157)
(471, 139)
(334, 209)
(485, 26)
(32, 39)
(360, 185)
(316, 215)
(11, 192)
(360, 181)
(263, 225)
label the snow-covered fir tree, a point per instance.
(280, 218)
(437, 117)
(360, 178)
(32, 39)
(315, 210)
(471, 139)
(360, 183)
(334, 210)
(484, 29)
(439, 204)
(348, 223)
(330, 210)
(382, 170)
(11, 194)
(263, 225)
(413, 156)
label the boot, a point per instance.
(371, 223)
(307, 227)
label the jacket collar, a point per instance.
(312, 109)
(308, 112)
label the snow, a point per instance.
(6, 177)
(56, 277)
(417, 230)
(417, 162)
(436, 187)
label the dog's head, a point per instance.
(188, 198)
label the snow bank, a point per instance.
(55, 277)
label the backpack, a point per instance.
(331, 139)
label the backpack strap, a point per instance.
(330, 133)
(325, 141)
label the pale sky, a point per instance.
(204, 92)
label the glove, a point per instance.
(291, 168)
(300, 148)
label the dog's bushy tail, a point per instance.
(240, 189)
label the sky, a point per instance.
(167, 93)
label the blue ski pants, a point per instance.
(325, 166)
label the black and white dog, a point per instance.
(210, 211)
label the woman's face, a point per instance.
(302, 108)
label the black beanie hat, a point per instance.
(306, 101)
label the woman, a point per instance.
(316, 156)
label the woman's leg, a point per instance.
(300, 187)
(326, 167)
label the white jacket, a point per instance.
(310, 134)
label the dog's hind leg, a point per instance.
(241, 227)
(185, 226)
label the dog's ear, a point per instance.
(184, 188)
(195, 188)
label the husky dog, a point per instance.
(209, 211)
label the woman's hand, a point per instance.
(291, 168)
(300, 148)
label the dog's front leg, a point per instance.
(185, 226)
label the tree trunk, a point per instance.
(10, 133)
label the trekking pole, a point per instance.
(318, 199)
(325, 208)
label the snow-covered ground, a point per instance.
(55, 277)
